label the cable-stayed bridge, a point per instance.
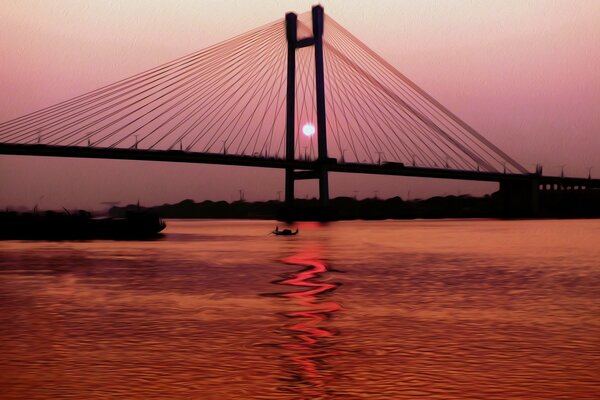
(302, 94)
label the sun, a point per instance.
(308, 129)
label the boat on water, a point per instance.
(284, 232)
(52, 225)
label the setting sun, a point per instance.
(308, 129)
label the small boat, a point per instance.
(284, 232)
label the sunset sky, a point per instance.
(525, 74)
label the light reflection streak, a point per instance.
(306, 358)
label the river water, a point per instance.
(446, 309)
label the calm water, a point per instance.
(377, 310)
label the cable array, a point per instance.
(226, 98)
(230, 98)
(375, 114)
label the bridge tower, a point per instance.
(320, 171)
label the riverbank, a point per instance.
(51, 225)
(347, 208)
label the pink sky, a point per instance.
(523, 73)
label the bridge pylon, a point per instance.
(320, 170)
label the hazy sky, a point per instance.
(525, 74)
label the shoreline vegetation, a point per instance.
(348, 208)
(136, 222)
(340, 208)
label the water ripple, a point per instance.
(361, 310)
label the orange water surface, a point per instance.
(447, 309)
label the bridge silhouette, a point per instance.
(303, 95)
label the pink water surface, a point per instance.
(349, 310)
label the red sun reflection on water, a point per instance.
(307, 353)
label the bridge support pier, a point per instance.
(289, 187)
(291, 27)
(324, 187)
(318, 22)
(320, 170)
(520, 198)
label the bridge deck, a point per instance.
(396, 169)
